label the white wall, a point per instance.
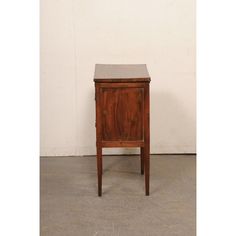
(76, 34)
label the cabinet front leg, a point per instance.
(147, 168)
(99, 170)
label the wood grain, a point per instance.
(122, 114)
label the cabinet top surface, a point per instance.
(121, 73)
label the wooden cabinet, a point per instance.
(122, 112)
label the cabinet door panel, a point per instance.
(122, 114)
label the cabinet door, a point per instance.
(122, 113)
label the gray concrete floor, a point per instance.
(70, 205)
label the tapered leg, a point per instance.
(142, 160)
(99, 170)
(147, 168)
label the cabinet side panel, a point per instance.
(122, 113)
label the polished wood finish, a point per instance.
(121, 73)
(122, 112)
(126, 105)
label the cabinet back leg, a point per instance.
(142, 160)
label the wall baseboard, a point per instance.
(91, 151)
